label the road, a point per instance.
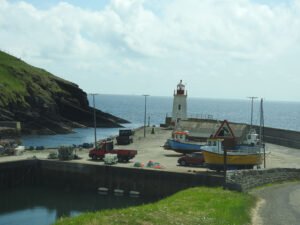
(280, 204)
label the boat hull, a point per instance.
(183, 147)
(236, 161)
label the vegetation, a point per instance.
(19, 80)
(66, 153)
(42, 102)
(199, 205)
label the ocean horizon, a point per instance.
(277, 114)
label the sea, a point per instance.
(277, 114)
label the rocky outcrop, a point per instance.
(44, 103)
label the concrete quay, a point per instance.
(150, 148)
(33, 167)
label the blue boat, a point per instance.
(179, 143)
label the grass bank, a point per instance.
(199, 205)
(19, 80)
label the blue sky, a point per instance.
(220, 49)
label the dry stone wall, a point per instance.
(243, 180)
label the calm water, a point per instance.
(285, 115)
(43, 206)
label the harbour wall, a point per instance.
(244, 180)
(287, 138)
(72, 175)
(148, 182)
(19, 173)
(10, 129)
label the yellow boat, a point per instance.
(244, 157)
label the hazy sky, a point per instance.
(219, 48)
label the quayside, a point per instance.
(51, 189)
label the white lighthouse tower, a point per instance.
(179, 104)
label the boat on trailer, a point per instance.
(180, 143)
(243, 157)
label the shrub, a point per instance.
(66, 152)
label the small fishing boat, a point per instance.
(245, 155)
(180, 143)
(242, 157)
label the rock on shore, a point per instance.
(44, 103)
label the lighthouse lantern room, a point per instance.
(179, 104)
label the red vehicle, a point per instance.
(195, 159)
(107, 146)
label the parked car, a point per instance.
(195, 159)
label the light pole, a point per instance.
(95, 123)
(252, 98)
(261, 132)
(145, 114)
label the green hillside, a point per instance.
(19, 80)
(42, 102)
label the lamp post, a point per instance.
(145, 114)
(261, 132)
(252, 98)
(95, 123)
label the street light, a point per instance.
(145, 114)
(261, 131)
(95, 123)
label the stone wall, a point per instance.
(9, 129)
(11, 124)
(243, 180)
(72, 175)
(282, 137)
(149, 182)
(19, 173)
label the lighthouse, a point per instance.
(179, 104)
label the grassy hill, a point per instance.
(19, 80)
(44, 103)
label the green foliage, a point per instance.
(19, 80)
(53, 155)
(199, 205)
(66, 153)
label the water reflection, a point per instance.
(42, 206)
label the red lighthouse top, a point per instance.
(180, 88)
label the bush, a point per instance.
(66, 152)
(40, 147)
(53, 155)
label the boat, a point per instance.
(240, 157)
(223, 150)
(180, 143)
